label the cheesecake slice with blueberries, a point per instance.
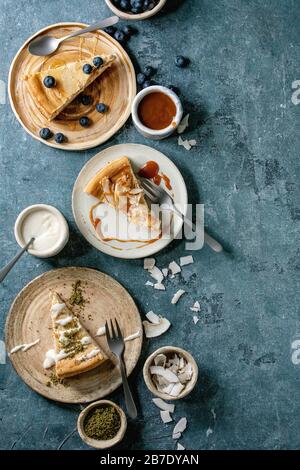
(53, 89)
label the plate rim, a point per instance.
(37, 137)
(118, 384)
(119, 254)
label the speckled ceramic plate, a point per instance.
(29, 319)
(116, 88)
(82, 202)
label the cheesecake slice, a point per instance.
(117, 185)
(75, 351)
(70, 81)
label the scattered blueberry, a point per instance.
(149, 71)
(45, 133)
(148, 83)
(101, 108)
(181, 61)
(59, 138)
(128, 30)
(84, 121)
(141, 78)
(119, 36)
(110, 30)
(49, 81)
(174, 89)
(97, 61)
(87, 68)
(86, 100)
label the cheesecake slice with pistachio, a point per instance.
(75, 350)
(53, 89)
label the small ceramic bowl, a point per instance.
(152, 133)
(170, 350)
(63, 226)
(135, 17)
(105, 444)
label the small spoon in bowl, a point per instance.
(4, 271)
(46, 45)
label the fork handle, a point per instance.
(210, 241)
(130, 405)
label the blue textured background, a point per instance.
(244, 59)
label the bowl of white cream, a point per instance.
(48, 227)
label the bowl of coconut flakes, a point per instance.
(170, 373)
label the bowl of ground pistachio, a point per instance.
(102, 424)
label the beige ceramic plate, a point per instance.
(116, 88)
(29, 320)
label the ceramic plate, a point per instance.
(116, 88)
(29, 320)
(82, 202)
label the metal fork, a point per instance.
(116, 344)
(158, 195)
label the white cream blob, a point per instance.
(56, 309)
(44, 226)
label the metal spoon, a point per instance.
(46, 45)
(4, 271)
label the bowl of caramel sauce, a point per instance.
(156, 112)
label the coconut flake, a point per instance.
(159, 286)
(165, 271)
(174, 268)
(149, 283)
(184, 123)
(156, 273)
(163, 405)
(160, 360)
(167, 374)
(193, 142)
(179, 446)
(153, 318)
(177, 389)
(149, 263)
(195, 319)
(184, 143)
(153, 330)
(179, 428)
(195, 307)
(185, 260)
(208, 432)
(177, 296)
(165, 416)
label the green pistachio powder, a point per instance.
(102, 423)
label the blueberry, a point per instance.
(148, 5)
(49, 81)
(86, 100)
(119, 36)
(174, 89)
(59, 138)
(45, 133)
(128, 30)
(110, 30)
(181, 61)
(136, 6)
(97, 61)
(141, 78)
(149, 71)
(101, 108)
(84, 121)
(124, 5)
(87, 68)
(148, 83)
